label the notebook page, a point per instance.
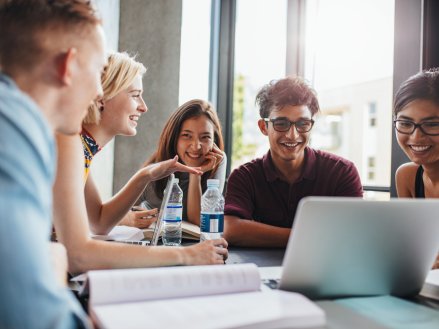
(131, 285)
(275, 309)
(122, 232)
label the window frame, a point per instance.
(415, 24)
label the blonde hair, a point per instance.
(120, 72)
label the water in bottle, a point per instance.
(173, 215)
(212, 212)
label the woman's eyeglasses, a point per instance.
(408, 127)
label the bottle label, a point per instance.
(212, 222)
(173, 213)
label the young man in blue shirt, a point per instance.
(51, 58)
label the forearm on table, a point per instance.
(249, 233)
(194, 199)
(115, 209)
(94, 255)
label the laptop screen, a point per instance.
(158, 224)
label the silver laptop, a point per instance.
(158, 224)
(342, 247)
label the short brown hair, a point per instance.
(288, 91)
(26, 23)
(423, 86)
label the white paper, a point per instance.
(132, 285)
(275, 309)
(121, 233)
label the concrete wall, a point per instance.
(102, 166)
(151, 29)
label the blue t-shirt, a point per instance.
(29, 294)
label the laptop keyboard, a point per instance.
(271, 283)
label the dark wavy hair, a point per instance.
(288, 91)
(423, 85)
(167, 145)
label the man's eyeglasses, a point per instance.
(408, 127)
(283, 124)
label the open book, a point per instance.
(215, 296)
(188, 231)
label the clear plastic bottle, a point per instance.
(173, 215)
(212, 212)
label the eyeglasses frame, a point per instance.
(292, 123)
(415, 125)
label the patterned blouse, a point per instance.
(90, 149)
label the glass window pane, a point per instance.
(195, 50)
(349, 61)
(260, 47)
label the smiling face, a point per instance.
(195, 140)
(122, 112)
(290, 145)
(419, 147)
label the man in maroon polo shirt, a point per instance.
(262, 195)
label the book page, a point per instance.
(275, 309)
(130, 285)
(120, 233)
(189, 231)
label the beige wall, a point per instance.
(102, 166)
(152, 29)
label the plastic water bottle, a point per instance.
(212, 212)
(173, 215)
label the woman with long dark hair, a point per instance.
(193, 132)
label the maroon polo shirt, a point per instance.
(256, 191)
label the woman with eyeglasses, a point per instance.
(416, 122)
(193, 133)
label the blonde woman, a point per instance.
(75, 202)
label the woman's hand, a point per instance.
(140, 217)
(206, 252)
(436, 263)
(213, 159)
(156, 171)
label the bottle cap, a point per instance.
(213, 182)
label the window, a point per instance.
(345, 49)
(195, 50)
(260, 47)
(372, 114)
(349, 61)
